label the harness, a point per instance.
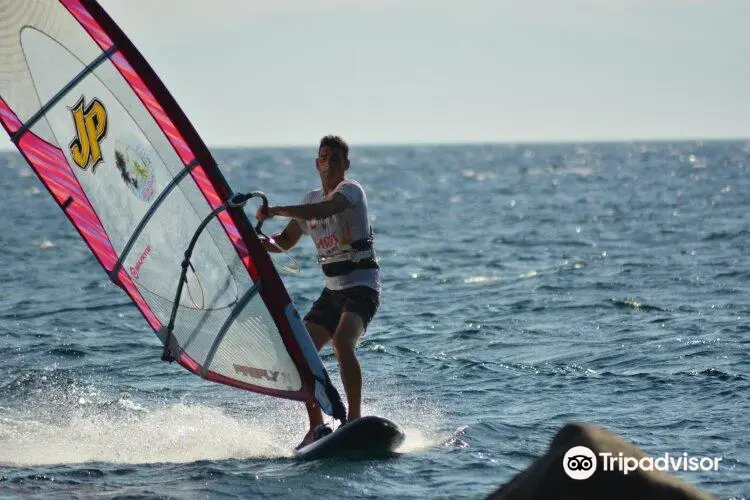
(361, 256)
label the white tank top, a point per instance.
(333, 236)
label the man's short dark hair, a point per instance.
(335, 141)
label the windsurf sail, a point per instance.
(119, 156)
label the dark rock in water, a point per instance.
(546, 478)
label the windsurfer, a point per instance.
(336, 218)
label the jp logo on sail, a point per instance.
(91, 127)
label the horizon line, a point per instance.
(472, 142)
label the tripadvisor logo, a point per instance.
(579, 463)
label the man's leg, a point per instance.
(320, 337)
(348, 331)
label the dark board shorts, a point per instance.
(327, 310)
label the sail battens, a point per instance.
(117, 153)
(62, 93)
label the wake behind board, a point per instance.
(365, 437)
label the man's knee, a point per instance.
(342, 345)
(318, 334)
(347, 333)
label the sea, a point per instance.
(524, 286)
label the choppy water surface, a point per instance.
(524, 286)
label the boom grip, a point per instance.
(262, 196)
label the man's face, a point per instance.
(330, 162)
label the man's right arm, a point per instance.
(286, 239)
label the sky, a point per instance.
(286, 72)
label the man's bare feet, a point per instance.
(307, 439)
(313, 435)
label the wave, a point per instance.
(25, 310)
(636, 304)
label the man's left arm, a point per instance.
(313, 211)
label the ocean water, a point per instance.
(525, 286)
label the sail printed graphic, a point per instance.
(91, 127)
(119, 156)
